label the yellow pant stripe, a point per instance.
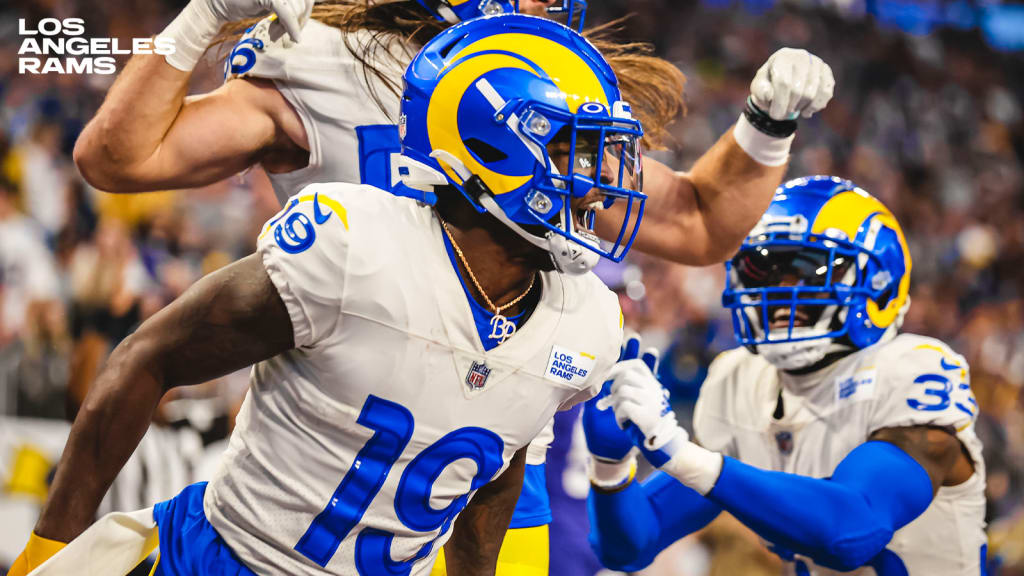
(523, 553)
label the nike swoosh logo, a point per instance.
(319, 216)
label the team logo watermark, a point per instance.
(477, 376)
(59, 46)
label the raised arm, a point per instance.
(226, 321)
(480, 528)
(148, 135)
(700, 217)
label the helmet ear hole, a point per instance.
(447, 48)
(484, 151)
(883, 299)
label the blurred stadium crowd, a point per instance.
(932, 125)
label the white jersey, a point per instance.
(364, 442)
(327, 86)
(909, 381)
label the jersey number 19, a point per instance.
(392, 426)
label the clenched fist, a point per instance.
(792, 83)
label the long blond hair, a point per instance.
(652, 86)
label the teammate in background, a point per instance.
(306, 103)
(846, 446)
(314, 110)
(379, 404)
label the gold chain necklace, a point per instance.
(501, 327)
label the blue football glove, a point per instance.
(641, 408)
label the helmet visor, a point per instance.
(789, 291)
(765, 266)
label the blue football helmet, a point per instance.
(574, 11)
(453, 11)
(827, 268)
(486, 103)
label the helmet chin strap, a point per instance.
(568, 256)
(796, 355)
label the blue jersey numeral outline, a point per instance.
(940, 392)
(392, 425)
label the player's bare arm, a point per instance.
(480, 528)
(701, 217)
(148, 135)
(936, 449)
(226, 321)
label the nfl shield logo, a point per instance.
(477, 376)
(784, 440)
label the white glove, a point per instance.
(792, 83)
(292, 14)
(638, 398)
(198, 24)
(641, 408)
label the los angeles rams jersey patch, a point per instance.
(569, 367)
(857, 387)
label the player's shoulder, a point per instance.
(727, 396)
(906, 342)
(261, 52)
(328, 243)
(344, 213)
(590, 306)
(362, 198)
(736, 379)
(911, 354)
(919, 381)
(731, 369)
(583, 289)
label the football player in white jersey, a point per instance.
(849, 448)
(316, 104)
(310, 99)
(405, 355)
(304, 104)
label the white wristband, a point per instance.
(609, 475)
(764, 149)
(192, 31)
(695, 466)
